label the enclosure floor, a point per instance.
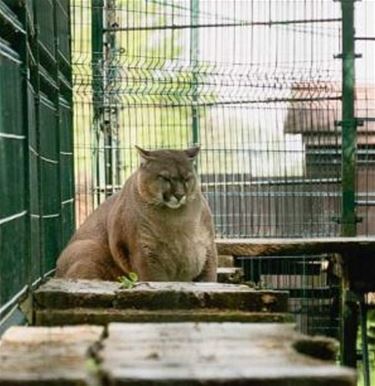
(168, 354)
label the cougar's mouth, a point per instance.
(174, 203)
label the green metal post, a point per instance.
(349, 125)
(56, 100)
(97, 77)
(71, 104)
(194, 53)
(26, 166)
(349, 327)
(97, 52)
(42, 263)
(110, 113)
(349, 319)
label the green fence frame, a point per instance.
(36, 144)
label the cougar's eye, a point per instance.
(188, 178)
(163, 178)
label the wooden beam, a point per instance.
(355, 246)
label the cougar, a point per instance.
(158, 226)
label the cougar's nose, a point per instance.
(179, 196)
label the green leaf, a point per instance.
(128, 281)
(133, 277)
(91, 365)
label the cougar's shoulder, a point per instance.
(95, 226)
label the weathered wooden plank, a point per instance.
(218, 354)
(296, 246)
(46, 356)
(104, 316)
(60, 294)
(176, 295)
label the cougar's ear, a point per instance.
(192, 152)
(144, 154)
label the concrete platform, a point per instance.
(96, 302)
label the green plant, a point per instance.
(92, 365)
(128, 281)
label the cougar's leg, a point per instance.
(86, 259)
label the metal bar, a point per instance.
(12, 136)
(349, 328)
(97, 9)
(4, 309)
(349, 134)
(110, 126)
(365, 202)
(15, 300)
(37, 134)
(71, 104)
(349, 309)
(14, 318)
(241, 102)
(365, 353)
(26, 165)
(218, 25)
(9, 17)
(367, 119)
(365, 38)
(194, 53)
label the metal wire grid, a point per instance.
(365, 110)
(170, 74)
(314, 290)
(255, 83)
(258, 85)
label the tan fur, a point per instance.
(135, 230)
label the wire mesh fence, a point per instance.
(170, 74)
(312, 284)
(257, 84)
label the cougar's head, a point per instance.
(167, 177)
